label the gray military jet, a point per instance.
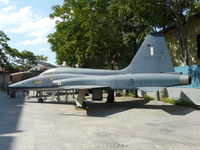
(150, 70)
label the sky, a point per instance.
(27, 24)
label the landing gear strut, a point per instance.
(39, 94)
(111, 97)
(80, 104)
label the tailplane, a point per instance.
(152, 57)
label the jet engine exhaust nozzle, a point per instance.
(185, 79)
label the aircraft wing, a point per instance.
(81, 87)
(151, 89)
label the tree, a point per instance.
(181, 11)
(89, 34)
(76, 40)
(100, 33)
(132, 31)
(10, 58)
(3, 50)
(27, 57)
(41, 58)
(161, 14)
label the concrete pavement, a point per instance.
(125, 125)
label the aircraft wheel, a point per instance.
(40, 100)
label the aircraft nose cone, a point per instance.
(16, 85)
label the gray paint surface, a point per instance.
(152, 57)
(125, 125)
(44, 81)
(148, 81)
(126, 81)
(84, 71)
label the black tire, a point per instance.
(84, 105)
(40, 100)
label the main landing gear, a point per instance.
(80, 104)
(39, 95)
(111, 96)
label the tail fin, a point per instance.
(152, 57)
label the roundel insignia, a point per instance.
(59, 83)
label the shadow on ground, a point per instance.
(10, 112)
(104, 109)
(101, 109)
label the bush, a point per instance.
(147, 97)
(180, 102)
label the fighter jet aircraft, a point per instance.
(150, 70)
(34, 71)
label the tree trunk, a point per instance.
(177, 9)
(183, 43)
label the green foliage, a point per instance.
(180, 102)
(118, 93)
(92, 33)
(3, 50)
(27, 57)
(103, 33)
(41, 58)
(169, 100)
(148, 97)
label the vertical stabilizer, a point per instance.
(152, 57)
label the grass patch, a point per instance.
(147, 97)
(179, 102)
(131, 95)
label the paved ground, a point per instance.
(125, 125)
